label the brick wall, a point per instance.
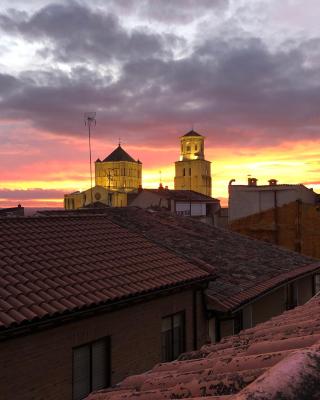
(38, 366)
(295, 226)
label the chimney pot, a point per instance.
(273, 182)
(252, 181)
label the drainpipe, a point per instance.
(276, 218)
(195, 318)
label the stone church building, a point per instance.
(119, 174)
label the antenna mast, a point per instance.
(90, 119)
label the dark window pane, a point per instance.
(178, 335)
(317, 283)
(99, 365)
(172, 337)
(166, 339)
(81, 372)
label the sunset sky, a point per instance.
(246, 73)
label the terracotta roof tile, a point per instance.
(246, 267)
(55, 265)
(275, 360)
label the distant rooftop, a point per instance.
(278, 359)
(182, 195)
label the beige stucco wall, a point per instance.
(147, 199)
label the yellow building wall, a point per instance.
(118, 175)
(200, 178)
(74, 201)
(119, 199)
(99, 194)
(192, 148)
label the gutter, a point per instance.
(94, 310)
(267, 292)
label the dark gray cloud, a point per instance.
(75, 33)
(233, 87)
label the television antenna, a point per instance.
(89, 120)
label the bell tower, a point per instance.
(193, 172)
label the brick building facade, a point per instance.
(295, 226)
(85, 303)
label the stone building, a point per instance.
(115, 176)
(118, 171)
(192, 171)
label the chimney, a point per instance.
(273, 182)
(252, 181)
(160, 187)
(140, 188)
(166, 187)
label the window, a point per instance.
(189, 171)
(184, 172)
(91, 368)
(188, 149)
(316, 283)
(292, 295)
(172, 336)
(195, 147)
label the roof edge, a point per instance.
(28, 326)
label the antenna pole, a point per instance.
(89, 128)
(89, 119)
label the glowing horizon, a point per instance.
(243, 72)
(264, 164)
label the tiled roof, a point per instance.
(246, 267)
(182, 195)
(276, 360)
(191, 133)
(50, 266)
(119, 155)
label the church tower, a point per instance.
(193, 172)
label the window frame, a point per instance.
(314, 284)
(107, 340)
(183, 344)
